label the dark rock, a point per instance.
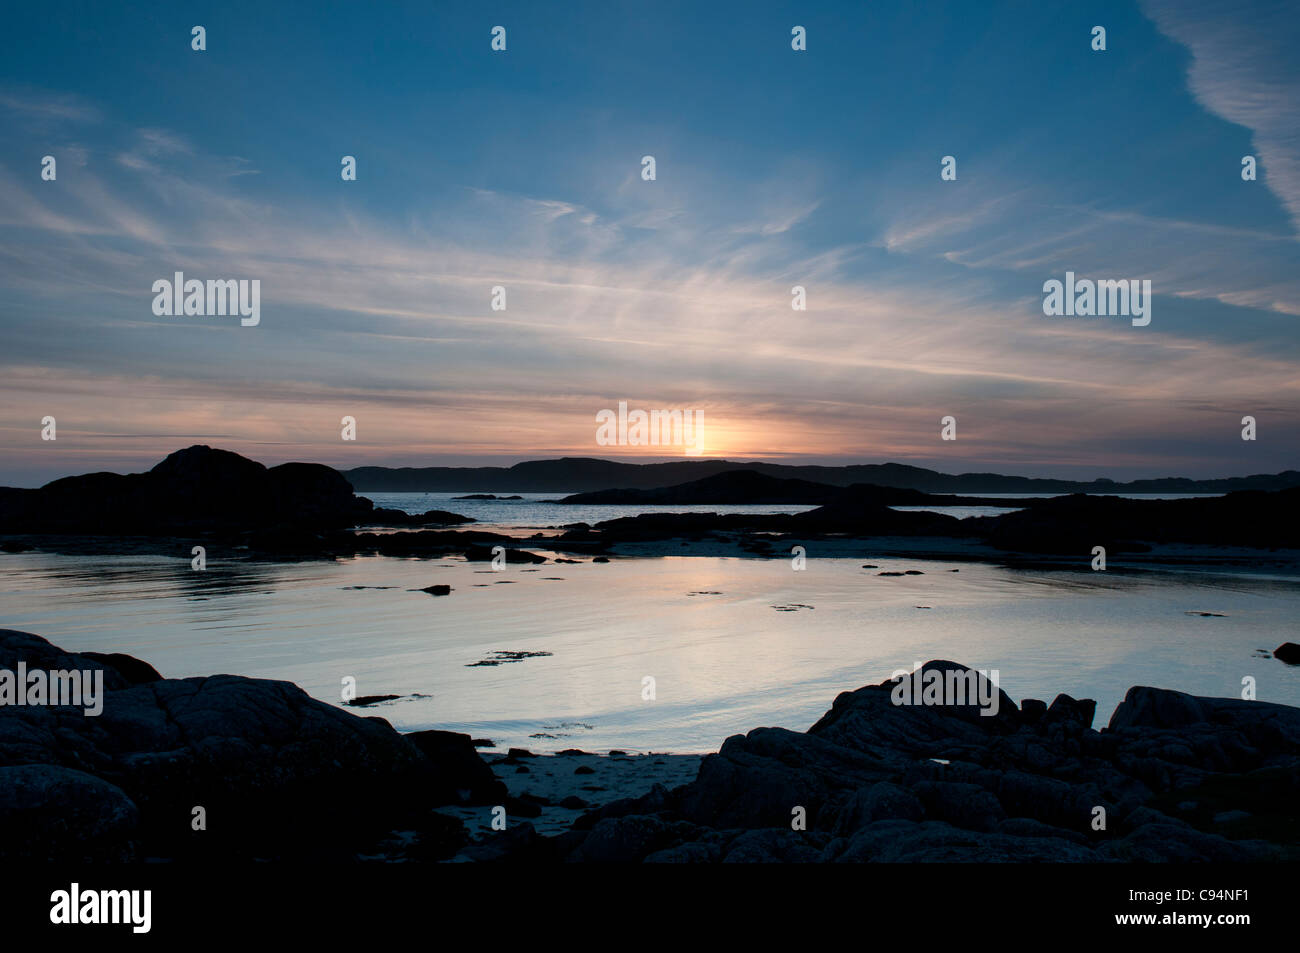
(365, 701)
(774, 846)
(1181, 843)
(520, 807)
(461, 776)
(1033, 710)
(939, 842)
(630, 839)
(963, 805)
(518, 843)
(36, 653)
(1231, 817)
(483, 554)
(193, 490)
(438, 837)
(383, 516)
(1288, 652)
(1074, 524)
(132, 670)
(271, 766)
(51, 813)
(878, 802)
(876, 780)
(1065, 708)
(879, 781)
(697, 852)
(1028, 827)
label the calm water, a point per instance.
(724, 659)
(536, 511)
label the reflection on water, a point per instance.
(718, 636)
(536, 511)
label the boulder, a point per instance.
(271, 767)
(51, 813)
(878, 802)
(887, 782)
(461, 776)
(1288, 652)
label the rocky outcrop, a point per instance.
(307, 510)
(295, 510)
(1076, 523)
(1173, 777)
(854, 517)
(383, 516)
(275, 773)
(1063, 525)
(960, 774)
(193, 490)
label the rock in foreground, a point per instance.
(1173, 778)
(277, 774)
(281, 776)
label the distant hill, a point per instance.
(749, 486)
(733, 486)
(584, 474)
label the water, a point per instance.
(960, 512)
(536, 511)
(724, 660)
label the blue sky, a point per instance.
(774, 168)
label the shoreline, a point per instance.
(725, 546)
(953, 778)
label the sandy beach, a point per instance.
(594, 779)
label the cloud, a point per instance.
(1244, 68)
(387, 317)
(48, 105)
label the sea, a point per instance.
(664, 654)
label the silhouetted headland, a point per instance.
(310, 510)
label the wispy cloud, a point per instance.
(924, 296)
(45, 105)
(1244, 68)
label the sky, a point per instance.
(774, 168)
